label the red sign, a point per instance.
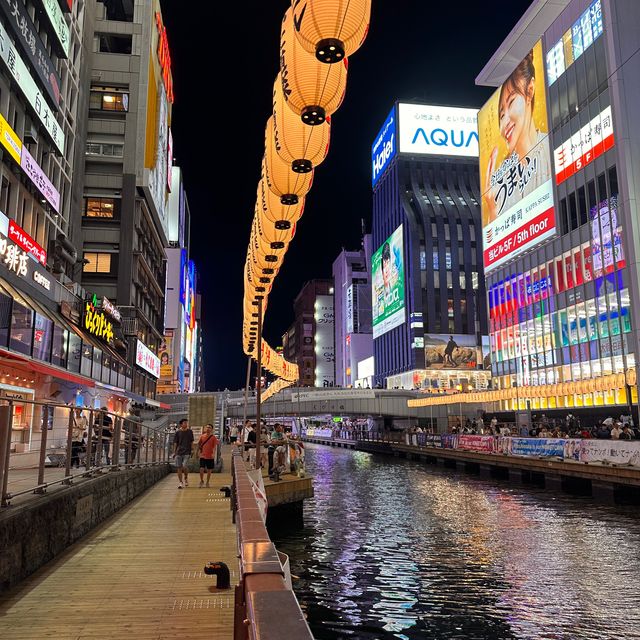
(26, 242)
(164, 57)
(540, 227)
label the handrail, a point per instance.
(265, 607)
(131, 443)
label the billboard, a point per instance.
(384, 148)
(516, 174)
(456, 351)
(166, 356)
(442, 131)
(147, 360)
(387, 281)
(324, 375)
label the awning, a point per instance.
(43, 367)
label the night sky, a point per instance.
(223, 76)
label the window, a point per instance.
(21, 328)
(105, 100)
(105, 149)
(97, 263)
(100, 207)
(110, 43)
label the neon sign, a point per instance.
(164, 57)
(96, 322)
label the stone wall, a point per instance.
(36, 532)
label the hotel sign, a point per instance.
(20, 74)
(15, 13)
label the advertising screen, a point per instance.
(324, 346)
(516, 173)
(450, 351)
(387, 268)
(441, 131)
(384, 148)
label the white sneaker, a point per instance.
(180, 485)
(201, 484)
(186, 483)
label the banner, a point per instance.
(485, 444)
(257, 484)
(536, 447)
(610, 451)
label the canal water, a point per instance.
(393, 548)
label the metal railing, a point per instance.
(110, 442)
(265, 605)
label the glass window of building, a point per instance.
(42, 335)
(100, 207)
(21, 328)
(108, 100)
(87, 359)
(5, 319)
(74, 352)
(97, 262)
(59, 346)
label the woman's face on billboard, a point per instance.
(515, 117)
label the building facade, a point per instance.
(352, 302)
(309, 342)
(564, 297)
(127, 173)
(429, 300)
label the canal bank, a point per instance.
(610, 482)
(393, 548)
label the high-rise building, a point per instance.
(558, 157)
(352, 303)
(309, 342)
(127, 172)
(429, 300)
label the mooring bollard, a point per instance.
(220, 570)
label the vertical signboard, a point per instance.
(324, 342)
(387, 280)
(349, 309)
(516, 175)
(384, 148)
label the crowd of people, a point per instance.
(279, 449)
(95, 442)
(544, 427)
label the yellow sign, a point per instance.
(10, 140)
(97, 324)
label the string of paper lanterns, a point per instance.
(611, 382)
(316, 38)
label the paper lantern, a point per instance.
(331, 29)
(278, 175)
(272, 233)
(269, 206)
(312, 90)
(620, 381)
(303, 147)
(631, 377)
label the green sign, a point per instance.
(387, 267)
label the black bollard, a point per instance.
(226, 490)
(220, 570)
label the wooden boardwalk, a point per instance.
(139, 574)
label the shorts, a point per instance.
(206, 463)
(233, 438)
(182, 460)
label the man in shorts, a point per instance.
(182, 445)
(207, 449)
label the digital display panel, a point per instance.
(387, 268)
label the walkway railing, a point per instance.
(265, 605)
(53, 456)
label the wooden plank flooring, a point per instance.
(138, 575)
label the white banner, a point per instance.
(333, 394)
(611, 451)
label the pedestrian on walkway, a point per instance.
(207, 450)
(233, 434)
(79, 431)
(182, 445)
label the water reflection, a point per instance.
(396, 549)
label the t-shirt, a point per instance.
(183, 441)
(207, 446)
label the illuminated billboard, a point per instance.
(387, 269)
(384, 148)
(442, 131)
(457, 351)
(516, 173)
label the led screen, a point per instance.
(387, 267)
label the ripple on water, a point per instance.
(395, 549)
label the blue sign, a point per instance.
(537, 447)
(384, 148)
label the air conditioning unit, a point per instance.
(30, 132)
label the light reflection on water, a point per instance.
(396, 549)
